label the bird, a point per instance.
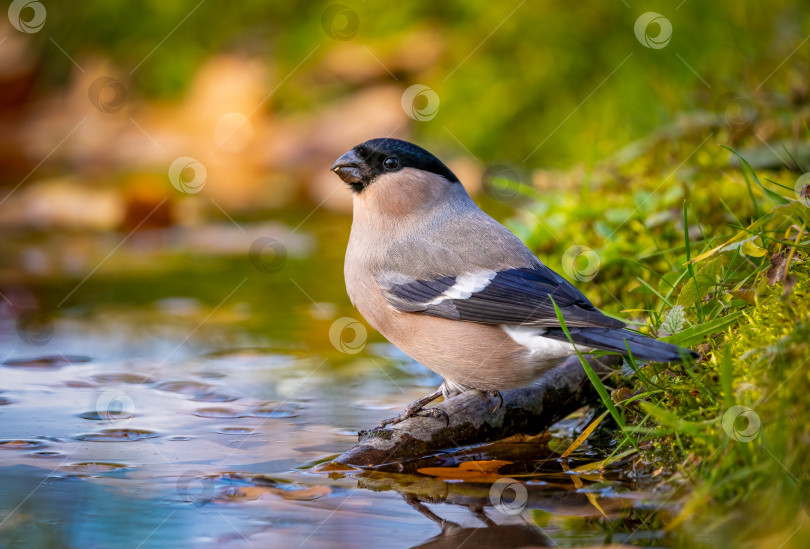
(455, 289)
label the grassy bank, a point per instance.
(681, 234)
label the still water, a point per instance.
(187, 388)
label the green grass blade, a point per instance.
(594, 378)
(689, 266)
(694, 335)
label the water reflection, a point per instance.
(193, 400)
(490, 534)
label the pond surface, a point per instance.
(188, 387)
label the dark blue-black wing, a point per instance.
(519, 296)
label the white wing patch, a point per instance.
(465, 286)
(532, 338)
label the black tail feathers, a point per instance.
(609, 339)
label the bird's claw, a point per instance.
(435, 412)
(413, 411)
(417, 408)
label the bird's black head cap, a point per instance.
(367, 161)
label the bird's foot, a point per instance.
(497, 395)
(417, 408)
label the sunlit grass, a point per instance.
(715, 260)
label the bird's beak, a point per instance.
(347, 167)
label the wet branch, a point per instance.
(531, 410)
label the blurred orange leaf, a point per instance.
(298, 494)
(468, 470)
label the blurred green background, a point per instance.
(165, 195)
(116, 119)
(266, 93)
(507, 73)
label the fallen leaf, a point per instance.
(303, 494)
(332, 466)
(468, 470)
(777, 270)
(297, 494)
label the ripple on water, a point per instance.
(45, 454)
(275, 410)
(110, 378)
(21, 444)
(95, 467)
(5, 401)
(78, 384)
(220, 413)
(118, 435)
(195, 390)
(234, 431)
(108, 415)
(46, 362)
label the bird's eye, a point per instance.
(391, 163)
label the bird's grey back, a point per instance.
(453, 239)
